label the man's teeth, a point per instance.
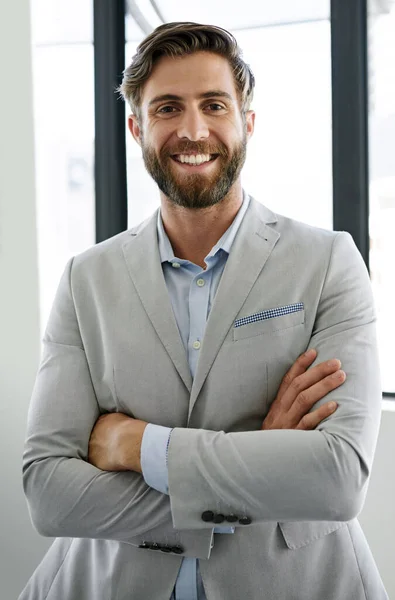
(193, 159)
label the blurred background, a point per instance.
(323, 152)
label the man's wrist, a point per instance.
(131, 439)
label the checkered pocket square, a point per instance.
(270, 314)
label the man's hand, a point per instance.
(115, 443)
(300, 390)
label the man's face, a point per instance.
(191, 130)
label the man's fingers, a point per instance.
(307, 380)
(311, 420)
(306, 399)
(300, 366)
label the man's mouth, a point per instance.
(194, 160)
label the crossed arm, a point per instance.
(115, 441)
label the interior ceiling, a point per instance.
(148, 14)
(234, 15)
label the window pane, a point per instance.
(382, 182)
(63, 79)
(289, 159)
(57, 22)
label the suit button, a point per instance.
(165, 549)
(155, 546)
(207, 516)
(177, 549)
(245, 521)
(219, 518)
(144, 545)
(232, 518)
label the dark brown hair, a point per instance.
(180, 39)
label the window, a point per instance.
(289, 159)
(381, 57)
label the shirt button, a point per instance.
(176, 265)
(200, 282)
(196, 345)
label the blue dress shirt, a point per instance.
(192, 291)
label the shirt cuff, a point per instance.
(154, 457)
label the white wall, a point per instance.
(378, 514)
(21, 548)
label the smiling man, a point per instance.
(181, 442)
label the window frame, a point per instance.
(110, 163)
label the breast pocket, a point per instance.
(269, 321)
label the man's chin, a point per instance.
(191, 184)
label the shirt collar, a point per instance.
(224, 243)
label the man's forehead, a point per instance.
(198, 75)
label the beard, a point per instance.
(198, 190)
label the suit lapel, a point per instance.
(251, 248)
(142, 257)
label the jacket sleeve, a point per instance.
(154, 448)
(66, 495)
(295, 475)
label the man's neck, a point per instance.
(193, 233)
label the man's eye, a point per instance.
(166, 109)
(215, 107)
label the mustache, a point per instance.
(194, 147)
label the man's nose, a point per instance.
(193, 126)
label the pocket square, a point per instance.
(270, 313)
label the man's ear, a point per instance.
(134, 128)
(250, 123)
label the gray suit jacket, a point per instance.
(112, 344)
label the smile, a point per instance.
(194, 161)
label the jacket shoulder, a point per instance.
(109, 248)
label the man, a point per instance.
(178, 443)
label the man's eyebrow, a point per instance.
(210, 94)
(216, 93)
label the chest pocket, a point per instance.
(269, 321)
